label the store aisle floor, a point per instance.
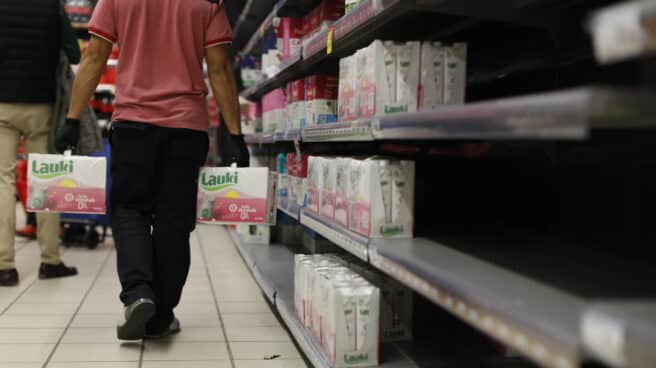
(70, 323)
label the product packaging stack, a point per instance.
(320, 99)
(296, 109)
(350, 5)
(271, 54)
(79, 11)
(251, 71)
(230, 195)
(297, 169)
(373, 197)
(391, 77)
(283, 180)
(66, 184)
(274, 111)
(251, 121)
(322, 16)
(289, 33)
(340, 308)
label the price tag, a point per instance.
(329, 40)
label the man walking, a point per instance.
(159, 140)
(31, 36)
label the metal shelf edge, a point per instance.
(351, 242)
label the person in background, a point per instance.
(32, 33)
(158, 140)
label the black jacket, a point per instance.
(30, 40)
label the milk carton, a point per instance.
(352, 326)
(407, 76)
(455, 77)
(315, 183)
(377, 69)
(433, 61)
(328, 187)
(274, 111)
(342, 178)
(66, 184)
(349, 102)
(381, 198)
(237, 195)
(321, 94)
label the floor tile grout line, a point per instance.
(36, 278)
(141, 354)
(216, 302)
(77, 310)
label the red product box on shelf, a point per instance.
(290, 31)
(321, 87)
(330, 10)
(297, 90)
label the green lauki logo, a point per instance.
(215, 183)
(47, 171)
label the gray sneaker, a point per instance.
(136, 316)
(172, 328)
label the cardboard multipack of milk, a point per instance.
(377, 71)
(342, 179)
(315, 183)
(328, 186)
(455, 78)
(66, 184)
(274, 111)
(230, 195)
(349, 102)
(381, 198)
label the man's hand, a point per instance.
(234, 150)
(68, 135)
(222, 81)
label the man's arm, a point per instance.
(223, 85)
(88, 76)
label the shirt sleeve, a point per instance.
(102, 22)
(218, 31)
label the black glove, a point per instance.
(234, 150)
(68, 135)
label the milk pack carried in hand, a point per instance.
(230, 195)
(66, 184)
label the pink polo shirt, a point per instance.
(161, 43)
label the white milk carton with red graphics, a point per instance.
(66, 184)
(381, 198)
(230, 195)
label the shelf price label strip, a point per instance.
(348, 243)
(490, 323)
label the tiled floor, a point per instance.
(71, 323)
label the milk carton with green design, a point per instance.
(229, 195)
(66, 184)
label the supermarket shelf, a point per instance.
(353, 243)
(621, 334)
(259, 138)
(536, 320)
(358, 130)
(292, 214)
(255, 39)
(624, 31)
(568, 115)
(273, 268)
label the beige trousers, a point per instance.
(32, 121)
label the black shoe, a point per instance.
(137, 315)
(172, 328)
(9, 277)
(48, 271)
